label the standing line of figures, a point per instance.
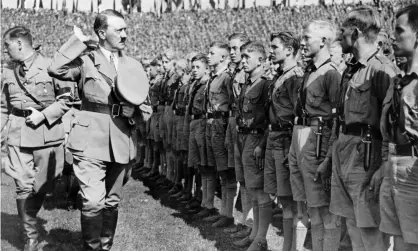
(333, 140)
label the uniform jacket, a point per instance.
(97, 135)
(220, 91)
(45, 89)
(168, 87)
(197, 102)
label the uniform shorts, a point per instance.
(245, 168)
(178, 130)
(197, 154)
(277, 173)
(168, 119)
(350, 194)
(303, 165)
(209, 149)
(230, 139)
(186, 133)
(399, 198)
(155, 126)
(217, 144)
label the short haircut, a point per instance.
(241, 36)
(366, 20)
(19, 32)
(169, 54)
(200, 57)
(190, 55)
(412, 12)
(254, 47)
(100, 23)
(181, 63)
(324, 29)
(288, 39)
(220, 45)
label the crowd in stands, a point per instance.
(183, 31)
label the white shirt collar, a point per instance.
(108, 53)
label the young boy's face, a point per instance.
(215, 56)
(251, 60)
(405, 37)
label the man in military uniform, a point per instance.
(236, 40)
(313, 136)
(284, 47)
(219, 94)
(197, 157)
(179, 111)
(251, 143)
(103, 137)
(168, 87)
(32, 104)
(399, 124)
(357, 172)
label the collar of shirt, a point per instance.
(220, 71)
(108, 54)
(284, 70)
(257, 76)
(27, 62)
(366, 57)
(320, 62)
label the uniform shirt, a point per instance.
(321, 89)
(253, 102)
(154, 91)
(364, 91)
(407, 111)
(168, 87)
(111, 56)
(283, 94)
(238, 77)
(220, 91)
(197, 102)
(180, 100)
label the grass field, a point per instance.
(148, 221)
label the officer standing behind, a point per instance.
(251, 143)
(219, 95)
(32, 104)
(238, 75)
(282, 99)
(399, 191)
(313, 136)
(357, 172)
(103, 136)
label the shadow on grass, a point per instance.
(222, 241)
(55, 240)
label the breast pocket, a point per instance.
(280, 96)
(44, 89)
(314, 97)
(359, 98)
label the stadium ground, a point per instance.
(148, 221)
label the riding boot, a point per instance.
(110, 220)
(27, 210)
(91, 228)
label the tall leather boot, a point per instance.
(27, 210)
(110, 221)
(91, 228)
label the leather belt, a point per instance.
(280, 128)
(304, 121)
(245, 130)
(217, 115)
(233, 113)
(407, 149)
(198, 116)
(114, 109)
(360, 130)
(22, 112)
(179, 112)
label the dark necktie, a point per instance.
(22, 69)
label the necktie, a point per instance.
(22, 70)
(112, 62)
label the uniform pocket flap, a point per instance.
(82, 121)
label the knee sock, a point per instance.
(317, 237)
(355, 235)
(287, 234)
(198, 183)
(189, 179)
(332, 238)
(246, 203)
(231, 191)
(204, 190)
(211, 189)
(170, 166)
(264, 220)
(300, 230)
(156, 162)
(141, 155)
(224, 198)
(179, 173)
(256, 214)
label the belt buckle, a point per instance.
(26, 113)
(392, 148)
(304, 121)
(115, 110)
(270, 128)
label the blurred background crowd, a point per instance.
(186, 30)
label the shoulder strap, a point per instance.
(27, 93)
